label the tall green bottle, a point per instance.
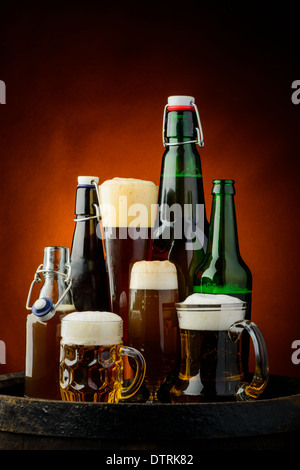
(223, 270)
(181, 229)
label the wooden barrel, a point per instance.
(272, 422)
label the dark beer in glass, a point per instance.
(128, 208)
(153, 325)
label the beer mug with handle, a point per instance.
(91, 359)
(211, 367)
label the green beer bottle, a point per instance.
(181, 229)
(223, 270)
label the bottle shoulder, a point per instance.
(86, 243)
(181, 161)
(61, 311)
(230, 265)
(85, 228)
(52, 290)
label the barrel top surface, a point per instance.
(277, 412)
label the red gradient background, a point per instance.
(86, 88)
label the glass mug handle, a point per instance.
(259, 381)
(129, 391)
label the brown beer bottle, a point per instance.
(43, 325)
(89, 277)
(223, 270)
(181, 229)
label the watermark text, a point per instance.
(296, 94)
(2, 92)
(2, 352)
(296, 354)
(138, 221)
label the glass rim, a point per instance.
(229, 306)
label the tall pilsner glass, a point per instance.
(153, 323)
(128, 210)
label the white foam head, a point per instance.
(128, 202)
(213, 312)
(148, 275)
(92, 328)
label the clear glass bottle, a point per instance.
(44, 323)
(181, 227)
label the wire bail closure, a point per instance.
(199, 130)
(47, 311)
(97, 208)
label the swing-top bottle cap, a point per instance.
(181, 102)
(88, 179)
(43, 309)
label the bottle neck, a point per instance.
(56, 260)
(180, 127)
(86, 199)
(55, 282)
(181, 158)
(223, 237)
(54, 286)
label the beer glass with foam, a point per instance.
(211, 367)
(91, 358)
(153, 324)
(128, 209)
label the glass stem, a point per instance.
(153, 395)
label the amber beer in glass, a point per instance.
(211, 366)
(128, 208)
(91, 359)
(153, 324)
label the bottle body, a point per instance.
(42, 357)
(89, 276)
(181, 227)
(43, 337)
